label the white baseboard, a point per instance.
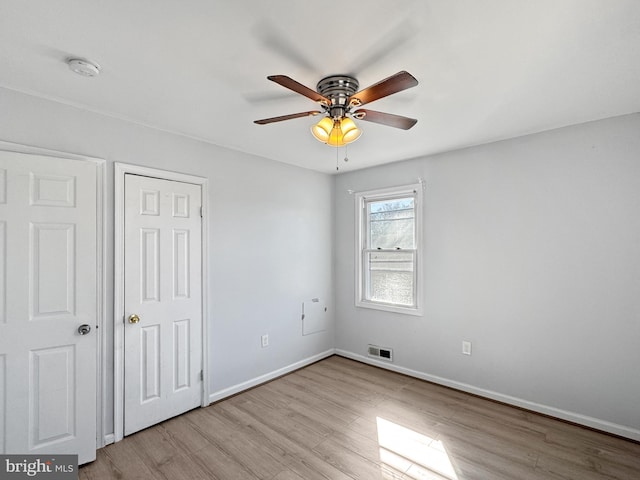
(109, 439)
(227, 392)
(591, 422)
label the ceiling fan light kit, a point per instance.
(322, 129)
(336, 132)
(339, 98)
(350, 132)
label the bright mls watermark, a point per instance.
(50, 467)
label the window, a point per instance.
(388, 249)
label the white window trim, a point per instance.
(361, 234)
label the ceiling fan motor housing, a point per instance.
(338, 89)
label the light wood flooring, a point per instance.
(340, 420)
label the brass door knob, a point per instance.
(134, 318)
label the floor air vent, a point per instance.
(380, 352)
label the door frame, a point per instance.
(120, 170)
(101, 255)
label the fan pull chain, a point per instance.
(346, 157)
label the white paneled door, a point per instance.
(48, 283)
(163, 300)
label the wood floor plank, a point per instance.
(310, 466)
(187, 466)
(288, 475)
(101, 469)
(306, 395)
(285, 423)
(183, 435)
(302, 416)
(220, 466)
(343, 420)
(346, 460)
(486, 427)
(555, 468)
(366, 447)
(326, 392)
(231, 438)
(154, 447)
(342, 386)
(126, 460)
(378, 380)
(408, 416)
(478, 410)
(365, 426)
(331, 413)
(297, 458)
(420, 403)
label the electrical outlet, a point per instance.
(466, 347)
(265, 340)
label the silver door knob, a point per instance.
(84, 329)
(134, 318)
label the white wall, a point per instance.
(270, 232)
(533, 254)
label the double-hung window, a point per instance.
(388, 249)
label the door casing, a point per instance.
(120, 170)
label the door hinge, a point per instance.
(201, 375)
(201, 212)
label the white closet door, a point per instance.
(163, 300)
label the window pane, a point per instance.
(391, 223)
(390, 277)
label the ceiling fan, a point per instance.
(340, 100)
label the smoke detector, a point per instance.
(83, 67)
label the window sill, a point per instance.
(417, 312)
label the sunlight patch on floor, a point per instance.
(413, 453)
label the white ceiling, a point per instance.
(488, 69)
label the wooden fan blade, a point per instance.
(397, 121)
(291, 84)
(395, 83)
(264, 121)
